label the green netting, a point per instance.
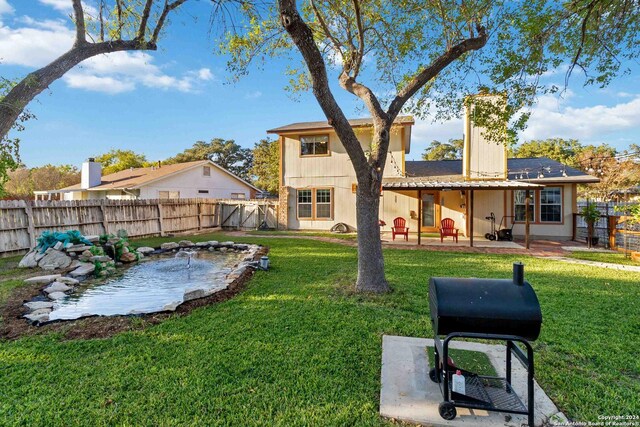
(49, 239)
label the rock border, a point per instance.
(57, 286)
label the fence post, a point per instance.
(160, 219)
(105, 221)
(199, 216)
(612, 229)
(31, 229)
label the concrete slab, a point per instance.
(409, 395)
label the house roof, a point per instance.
(459, 184)
(305, 126)
(522, 170)
(138, 177)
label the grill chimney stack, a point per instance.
(518, 273)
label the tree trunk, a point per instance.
(370, 260)
(31, 86)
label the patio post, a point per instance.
(470, 219)
(419, 215)
(527, 208)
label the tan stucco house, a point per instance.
(318, 184)
(199, 179)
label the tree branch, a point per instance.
(336, 44)
(416, 83)
(360, 54)
(143, 20)
(302, 36)
(350, 84)
(168, 7)
(78, 13)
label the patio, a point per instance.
(448, 241)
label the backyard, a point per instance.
(298, 347)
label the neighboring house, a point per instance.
(318, 184)
(200, 179)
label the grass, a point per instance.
(299, 347)
(473, 361)
(612, 258)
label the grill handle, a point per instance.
(518, 273)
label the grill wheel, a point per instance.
(447, 410)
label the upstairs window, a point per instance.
(314, 145)
(551, 204)
(206, 170)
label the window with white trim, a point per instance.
(305, 204)
(551, 204)
(519, 207)
(323, 203)
(314, 145)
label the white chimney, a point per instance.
(91, 174)
(482, 159)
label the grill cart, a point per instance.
(489, 309)
(502, 232)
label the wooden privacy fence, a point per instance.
(21, 222)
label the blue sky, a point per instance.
(159, 103)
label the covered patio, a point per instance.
(419, 187)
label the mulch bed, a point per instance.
(14, 326)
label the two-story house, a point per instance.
(318, 184)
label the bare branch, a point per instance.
(360, 54)
(416, 83)
(144, 19)
(168, 7)
(120, 23)
(80, 27)
(101, 19)
(336, 44)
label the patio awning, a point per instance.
(423, 184)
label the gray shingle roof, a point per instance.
(528, 168)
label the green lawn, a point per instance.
(613, 258)
(298, 347)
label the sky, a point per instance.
(160, 103)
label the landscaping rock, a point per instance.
(100, 258)
(211, 249)
(44, 280)
(68, 280)
(191, 294)
(78, 248)
(56, 287)
(169, 246)
(145, 250)
(56, 295)
(128, 257)
(58, 246)
(83, 270)
(226, 244)
(213, 242)
(38, 305)
(171, 306)
(223, 249)
(185, 243)
(53, 260)
(38, 316)
(202, 244)
(30, 260)
(87, 253)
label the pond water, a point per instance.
(148, 287)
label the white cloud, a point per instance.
(253, 95)
(98, 84)
(553, 118)
(5, 7)
(425, 131)
(205, 74)
(67, 6)
(128, 69)
(36, 43)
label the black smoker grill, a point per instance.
(494, 309)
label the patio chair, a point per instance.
(400, 229)
(447, 228)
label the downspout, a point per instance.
(135, 196)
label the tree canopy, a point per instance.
(266, 163)
(23, 181)
(225, 153)
(117, 160)
(444, 150)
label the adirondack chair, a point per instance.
(400, 229)
(447, 228)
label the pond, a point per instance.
(155, 285)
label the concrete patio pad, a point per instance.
(409, 395)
